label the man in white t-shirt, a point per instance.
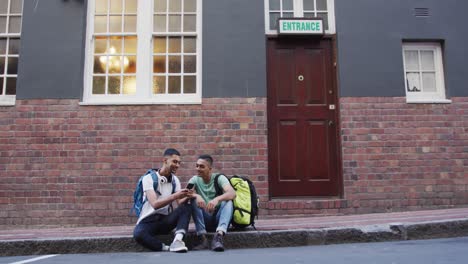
(157, 215)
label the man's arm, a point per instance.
(158, 202)
(229, 194)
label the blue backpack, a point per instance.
(138, 193)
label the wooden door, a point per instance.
(302, 118)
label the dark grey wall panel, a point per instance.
(370, 35)
(234, 63)
(52, 49)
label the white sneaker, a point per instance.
(178, 246)
(165, 247)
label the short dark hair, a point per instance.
(207, 158)
(170, 152)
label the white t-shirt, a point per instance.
(164, 188)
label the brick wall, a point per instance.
(62, 164)
(399, 156)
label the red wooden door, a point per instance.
(302, 118)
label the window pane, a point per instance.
(288, 5)
(15, 24)
(274, 20)
(100, 64)
(114, 64)
(159, 64)
(274, 4)
(115, 24)
(114, 84)
(322, 5)
(159, 84)
(12, 66)
(189, 45)
(16, 6)
(159, 23)
(174, 23)
(411, 60)
(100, 45)
(3, 9)
(190, 85)
(130, 23)
(11, 86)
(159, 45)
(175, 6)
(324, 16)
(130, 6)
(2, 24)
(309, 5)
(412, 82)
(100, 24)
(174, 44)
(2, 67)
(174, 64)
(130, 63)
(115, 6)
(101, 6)
(427, 61)
(288, 14)
(129, 85)
(429, 82)
(130, 45)
(1, 85)
(190, 64)
(190, 23)
(190, 5)
(174, 84)
(99, 85)
(14, 46)
(115, 45)
(160, 6)
(3, 46)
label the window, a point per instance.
(424, 76)
(275, 9)
(143, 52)
(10, 32)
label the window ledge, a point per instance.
(429, 101)
(140, 102)
(7, 100)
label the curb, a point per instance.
(247, 239)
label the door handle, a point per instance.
(330, 123)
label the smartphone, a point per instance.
(190, 186)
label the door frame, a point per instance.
(334, 80)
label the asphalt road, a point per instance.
(436, 251)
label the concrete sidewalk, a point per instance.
(277, 232)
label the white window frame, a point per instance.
(299, 12)
(144, 73)
(439, 95)
(9, 99)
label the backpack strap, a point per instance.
(219, 190)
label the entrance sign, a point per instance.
(300, 26)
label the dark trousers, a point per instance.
(145, 232)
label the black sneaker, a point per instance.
(217, 243)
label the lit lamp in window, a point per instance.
(114, 62)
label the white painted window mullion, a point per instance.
(144, 18)
(298, 8)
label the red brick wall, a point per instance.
(400, 156)
(62, 164)
(65, 164)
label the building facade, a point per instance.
(329, 106)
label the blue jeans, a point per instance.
(217, 221)
(145, 232)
